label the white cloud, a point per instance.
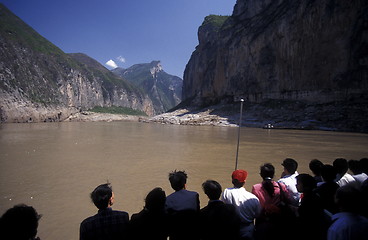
(121, 59)
(111, 63)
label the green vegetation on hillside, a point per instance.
(118, 110)
(94, 69)
(215, 20)
(14, 28)
(40, 68)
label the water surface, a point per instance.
(55, 166)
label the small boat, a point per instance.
(268, 126)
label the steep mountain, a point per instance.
(295, 51)
(163, 89)
(39, 82)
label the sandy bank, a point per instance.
(86, 116)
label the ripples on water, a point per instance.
(54, 166)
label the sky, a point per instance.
(121, 33)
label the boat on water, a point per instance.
(268, 126)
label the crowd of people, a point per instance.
(330, 205)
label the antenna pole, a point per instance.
(240, 121)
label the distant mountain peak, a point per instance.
(164, 89)
(156, 68)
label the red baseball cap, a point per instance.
(240, 175)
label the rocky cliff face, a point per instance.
(38, 82)
(314, 51)
(163, 89)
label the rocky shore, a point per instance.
(203, 117)
(179, 117)
(280, 114)
(86, 116)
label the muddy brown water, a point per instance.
(54, 166)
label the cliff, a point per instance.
(313, 52)
(39, 82)
(163, 89)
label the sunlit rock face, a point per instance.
(300, 50)
(163, 89)
(39, 82)
(156, 68)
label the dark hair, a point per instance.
(178, 179)
(290, 165)
(355, 167)
(212, 189)
(155, 200)
(341, 165)
(101, 195)
(267, 172)
(308, 182)
(316, 166)
(328, 173)
(19, 222)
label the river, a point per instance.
(55, 166)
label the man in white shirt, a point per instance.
(343, 177)
(246, 203)
(356, 169)
(288, 178)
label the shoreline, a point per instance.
(87, 116)
(222, 115)
(197, 118)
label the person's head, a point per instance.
(178, 179)
(267, 171)
(328, 173)
(305, 183)
(316, 166)
(355, 167)
(238, 177)
(20, 223)
(348, 198)
(155, 200)
(290, 165)
(212, 189)
(341, 165)
(102, 196)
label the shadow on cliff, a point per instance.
(349, 115)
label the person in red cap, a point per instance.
(246, 203)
